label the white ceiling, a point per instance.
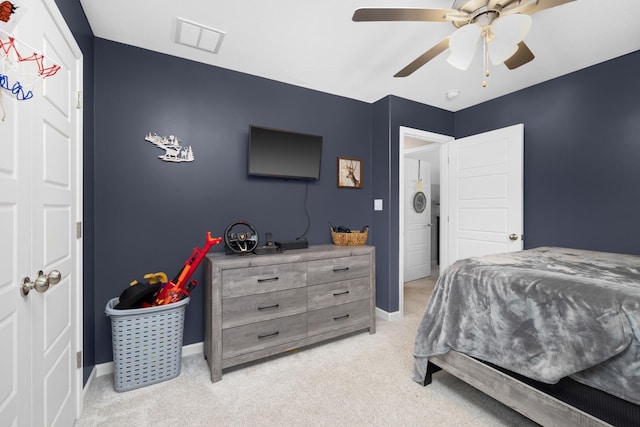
(315, 44)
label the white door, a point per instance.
(417, 222)
(39, 207)
(486, 176)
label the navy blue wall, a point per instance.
(77, 22)
(581, 155)
(150, 214)
(382, 228)
(390, 114)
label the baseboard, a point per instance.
(385, 315)
(92, 376)
(191, 349)
(103, 369)
(107, 368)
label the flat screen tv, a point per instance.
(284, 154)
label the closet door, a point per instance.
(40, 206)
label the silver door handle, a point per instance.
(41, 284)
(513, 236)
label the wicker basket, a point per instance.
(355, 238)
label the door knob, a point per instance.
(41, 284)
(513, 236)
(54, 277)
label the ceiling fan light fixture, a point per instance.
(460, 60)
(463, 44)
(507, 32)
(511, 28)
(500, 51)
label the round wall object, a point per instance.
(419, 202)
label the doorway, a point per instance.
(417, 150)
(481, 193)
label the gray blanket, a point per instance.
(545, 313)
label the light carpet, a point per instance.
(360, 380)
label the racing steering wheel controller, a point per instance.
(241, 237)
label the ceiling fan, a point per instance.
(499, 25)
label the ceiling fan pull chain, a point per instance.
(485, 57)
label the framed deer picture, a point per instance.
(349, 173)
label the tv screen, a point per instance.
(284, 154)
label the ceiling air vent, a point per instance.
(198, 36)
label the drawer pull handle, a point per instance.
(341, 317)
(270, 279)
(270, 307)
(336, 270)
(273, 334)
(337, 294)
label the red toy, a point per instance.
(178, 288)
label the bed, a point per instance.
(523, 325)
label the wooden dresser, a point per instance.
(261, 305)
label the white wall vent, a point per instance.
(198, 36)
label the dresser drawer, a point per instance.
(336, 269)
(258, 336)
(255, 308)
(340, 316)
(328, 294)
(252, 280)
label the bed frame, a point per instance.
(531, 402)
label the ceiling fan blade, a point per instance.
(533, 6)
(522, 56)
(459, 17)
(424, 58)
(404, 14)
